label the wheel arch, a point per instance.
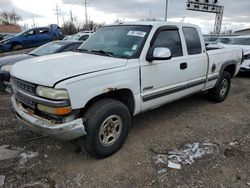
(123, 95)
(16, 43)
(230, 67)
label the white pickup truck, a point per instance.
(121, 71)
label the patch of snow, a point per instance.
(187, 155)
(2, 179)
(26, 156)
(162, 171)
(174, 165)
(6, 153)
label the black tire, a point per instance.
(17, 47)
(99, 113)
(220, 92)
(2, 87)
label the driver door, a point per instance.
(30, 38)
(164, 80)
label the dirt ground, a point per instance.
(46, 162)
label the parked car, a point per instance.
(210, 39)
(50, 48)
(31, 38)
(242, 42)
(220, 42)
(121, 71)
(82, 36)
(245, 67)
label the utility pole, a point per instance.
(86, 13)
(71, 17)
(57, 12)
(166, 11)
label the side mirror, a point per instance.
(159, 53)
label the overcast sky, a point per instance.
(236, 14)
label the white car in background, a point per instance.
(220, 42)
(81, 36)
(244, 43)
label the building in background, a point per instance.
(243, 32)
(9, 29)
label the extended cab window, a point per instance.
(169, 39)
(192, 40)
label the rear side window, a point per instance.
(169, 39)
(84, 37)
(192, 40)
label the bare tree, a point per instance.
(7, 18)
(91, 26)
(68, 28)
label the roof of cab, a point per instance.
(157, 23)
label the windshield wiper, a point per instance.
(109, 54)
(33, 54)
(81, 50)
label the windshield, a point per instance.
(240, 41)
(123, 41)
(47, 49)
(74, 37)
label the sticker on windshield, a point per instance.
(137, 33)
(134, 47)
(128, 53)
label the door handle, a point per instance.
(183, 66)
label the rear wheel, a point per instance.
(107, 126)
(220, 92)
(17, 47)
(2, 87)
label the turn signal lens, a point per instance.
(55, 111)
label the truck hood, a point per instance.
(50, 69)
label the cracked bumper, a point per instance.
(66, 131)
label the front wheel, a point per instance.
(107, 126)
(220, 92)
(17, 47)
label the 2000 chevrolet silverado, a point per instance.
(121, 71)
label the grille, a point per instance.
(24, 86)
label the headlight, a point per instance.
(50, 93)
(6, 68)
(4, 42)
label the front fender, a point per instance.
(82, 89)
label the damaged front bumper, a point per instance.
(65, 131)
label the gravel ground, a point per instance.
(46, 162)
